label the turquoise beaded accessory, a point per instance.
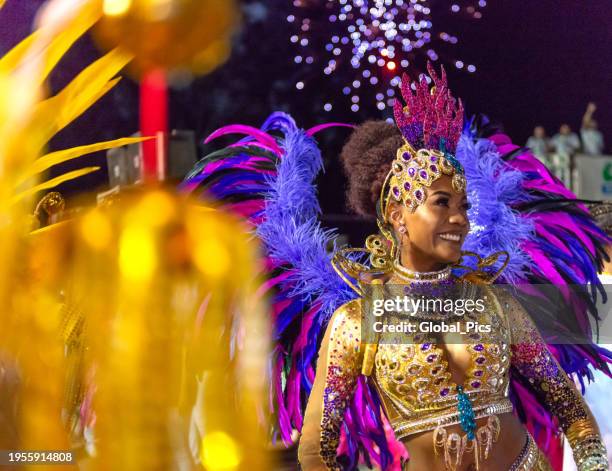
(477, 440)
(466, 413)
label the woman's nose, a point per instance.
(459, 218)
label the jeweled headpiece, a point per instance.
(431, 123)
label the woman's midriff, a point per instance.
(503, 454)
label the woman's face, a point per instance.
(437, 228)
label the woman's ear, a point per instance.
(396, 217)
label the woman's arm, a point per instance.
(338, 366)
(534, 361)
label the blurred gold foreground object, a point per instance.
(184, 35)
(133, 329)
(166, 356)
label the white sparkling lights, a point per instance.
(366, 44)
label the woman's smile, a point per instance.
(454, 237)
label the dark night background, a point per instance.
(537, 63)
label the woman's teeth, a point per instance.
(451, 237)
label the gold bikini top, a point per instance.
(415, 383)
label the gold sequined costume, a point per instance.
(411, 370)
(416, 390)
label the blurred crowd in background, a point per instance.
(559, 152)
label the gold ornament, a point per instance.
(183, 35)
(484, 271)
(413, 171)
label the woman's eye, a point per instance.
(467, 206)
(442, 202)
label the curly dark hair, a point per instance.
(366, 159)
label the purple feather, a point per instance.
(493, 187)
(549, 245)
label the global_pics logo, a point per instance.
(606, 175)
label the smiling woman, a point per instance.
(447, 403)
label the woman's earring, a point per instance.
(403, 231)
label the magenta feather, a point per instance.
(257, 134)
(321, 127)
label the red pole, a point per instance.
(154, 122)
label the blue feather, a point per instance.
(492, 187)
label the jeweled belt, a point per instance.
(405, 428)
(528, 457)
